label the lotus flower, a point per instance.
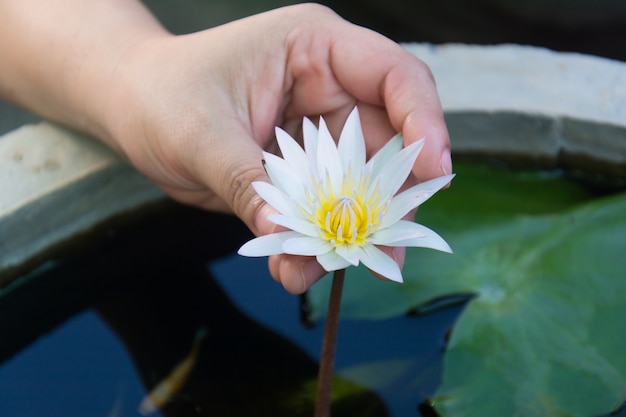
(340, 208)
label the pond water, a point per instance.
(82, 368)
(104, 321)
(86, 333)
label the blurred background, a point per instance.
(596, 27)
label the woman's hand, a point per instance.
(194, 112)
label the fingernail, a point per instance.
(445, 163)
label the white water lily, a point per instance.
(340, 208)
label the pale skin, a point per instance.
(194, 112)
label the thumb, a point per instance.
(229, 169)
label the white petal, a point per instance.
(349, 252)
(431, 240)
(266, 245)
(409, 199)
(274, 197)
(293, 154)
(306, 246)
(384, 154)
(399, 231)
(297, 224)
(378, 261)
(352, 146)
(310, 133)
(283, 178)
(395, 173)
(330, 261)
(328, 161)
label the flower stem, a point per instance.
(327, 360)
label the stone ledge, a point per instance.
(528, 80)
(521, 101)
(57, 184)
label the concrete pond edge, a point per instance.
(507, 101)
(563, 110)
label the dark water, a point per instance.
(80, 369)
(86, 335)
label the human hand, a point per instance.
(194, 112)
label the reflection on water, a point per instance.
(80, 369)
(152, 288)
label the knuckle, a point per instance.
(309, 8)
(240, 195)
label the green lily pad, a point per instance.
(545, 264)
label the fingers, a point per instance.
(413, 107)
(375, 72)
(230, 170)
(296, 273)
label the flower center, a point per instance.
(344, 220)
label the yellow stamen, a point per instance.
(350, 217)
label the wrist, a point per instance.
(105, 91)
(99, 84)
